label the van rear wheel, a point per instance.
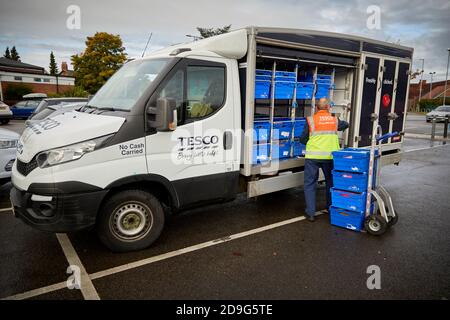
(130, 220)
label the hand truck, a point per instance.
(382, 214)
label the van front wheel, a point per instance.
(130, 220)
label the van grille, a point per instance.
(25, 168)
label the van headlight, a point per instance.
(7, 144)
(69, 153)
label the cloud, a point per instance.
(36, 27)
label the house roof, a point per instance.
(18, 64)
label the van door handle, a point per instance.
(227, 140)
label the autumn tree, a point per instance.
(209, 32)
(104, 54)
(14, 54)
(7, 53)
(53, 67)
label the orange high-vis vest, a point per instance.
(323, 137)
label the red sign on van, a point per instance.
(386, 100)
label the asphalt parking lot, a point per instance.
(254, 249)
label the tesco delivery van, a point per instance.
(199, 123)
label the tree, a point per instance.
(14, 54)
(209, 32)
(53, 66)
(104, 54)
(15, 91)
(7, 53)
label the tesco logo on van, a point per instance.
(198, 141)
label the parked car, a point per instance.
(5, 113)
(440, 113)
(54, 110)
(8, 145)
(23, 109)
(49, 103)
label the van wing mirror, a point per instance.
(163, 117)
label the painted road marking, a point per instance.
(139, 263)
(426, 148)
(87, 287)
(6, 209)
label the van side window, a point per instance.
(205, 91)
(174, 88)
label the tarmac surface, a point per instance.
(254, 249)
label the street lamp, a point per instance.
(431, 82)
(446, 77)
(421, 77)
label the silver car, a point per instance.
(5, 113)
(440, 113)
(8, 145)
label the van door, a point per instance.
(387, 90)
(400, 98)
(200, 157)
(369, 86)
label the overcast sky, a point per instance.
(37, 27)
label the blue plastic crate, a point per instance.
(263, 72)
(352, 160)
(263, 77)
(282, 130)
(305, 90)
(347, 219)
(299, 149)
(281, 150)
(285, 74)
(261, 131)
(350, 181)
(323, 77)
(299, 126)
(262, 89)
(352, 201)
(287, 79)
(284, 89)
(261, 152)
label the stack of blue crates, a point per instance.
(348, 195)
(284, 131)
(263, 80)
(324, 85)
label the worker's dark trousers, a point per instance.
(311, 176)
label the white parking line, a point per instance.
(6, 210)
(87, 288)
(426, 148)
(73, 258)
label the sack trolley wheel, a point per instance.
(375, 224)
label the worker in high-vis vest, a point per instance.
(321, 139)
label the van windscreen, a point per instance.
(128, 84)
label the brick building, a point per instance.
(14, 72)
(437, 91)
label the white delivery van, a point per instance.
(174, 130)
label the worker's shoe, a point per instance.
(310, 218)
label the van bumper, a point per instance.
(55, 211)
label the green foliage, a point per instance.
(53, 67)
(76, 91)
(426, 105)
(209, 32)
(16, 91)
(104, 54)
(7, 53)
(14, 54)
